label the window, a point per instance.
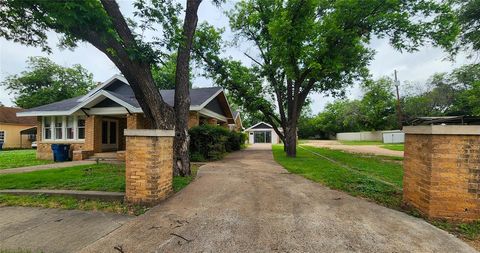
(64, 128)
(81, 127)
(59, 127)
(47, 125)
(69, 124)
(2, 136)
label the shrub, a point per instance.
(209, 142)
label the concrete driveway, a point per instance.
(248, 203)
(53, 230)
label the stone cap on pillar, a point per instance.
(149, 132)
(443, 129)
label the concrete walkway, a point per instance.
(45, 167)
(248, 203)
(53, 230)
(362, 149)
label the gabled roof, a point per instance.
(236, 114)
(8, 115)
(118, 90)
(260, 125)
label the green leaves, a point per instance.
(46, 82)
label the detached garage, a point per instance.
(262, 133)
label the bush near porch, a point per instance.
(209, 143)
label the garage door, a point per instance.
(262, 137)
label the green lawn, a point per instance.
(70, 203)
(361, 142)
(180, 182)
(396, 147)
(98, 177)
(19, 158)
(378, 178)
(375, 178)
(95, 177)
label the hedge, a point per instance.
(208, 143)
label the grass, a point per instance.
(20, 158)
(396, 147)
(99, 177)
(378, 178)
(366, 176)
(95, 177)
(70, 203)
(361, 142)
(181, 182)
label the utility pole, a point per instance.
(399, 109)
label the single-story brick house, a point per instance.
(16, 132)
(95, 123)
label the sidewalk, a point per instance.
(45, 167)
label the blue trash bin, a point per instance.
(1, 145)
(60, 152)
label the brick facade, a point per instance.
(149, 165)
(193, 119)
(442, 174)
(137, 121)
(93, 133)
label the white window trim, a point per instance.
(53, 128)
(43, 129)
(76, 128)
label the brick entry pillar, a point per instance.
(149, 165)
(442, 171)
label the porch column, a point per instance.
(212, 121)
(441, 172)
(149, 165)
(193, 119)
(136, 121)
(93, 133)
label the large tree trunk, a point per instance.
(291, 139)
(137, 72)
(182, 93)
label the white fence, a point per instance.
(360, 136)
(391, 136)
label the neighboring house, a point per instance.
(237, 126)
(95, 123)
(11, 128)
(262, 133)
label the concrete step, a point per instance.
(109, 155)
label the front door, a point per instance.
(109, 135)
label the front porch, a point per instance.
(103, 135)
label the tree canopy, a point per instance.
(444, 94)
(46, 82)
(304, 46)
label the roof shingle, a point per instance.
(8, 115)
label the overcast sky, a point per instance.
(416, 67)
